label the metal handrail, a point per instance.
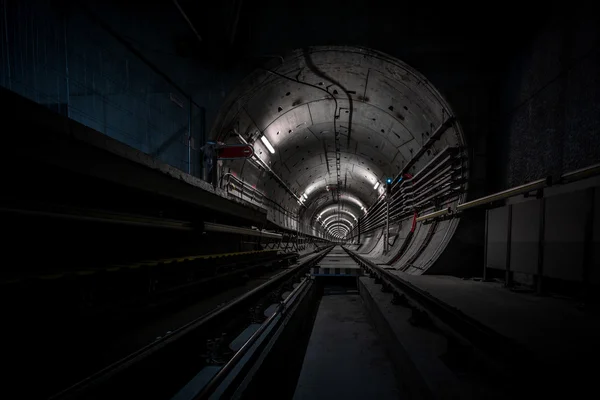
(264, 198)
(212, 227)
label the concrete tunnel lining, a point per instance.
(367, 109)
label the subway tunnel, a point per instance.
(298, 200)
(333, 127)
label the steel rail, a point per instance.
(158, 347)
(478, 334)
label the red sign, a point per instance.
(234, 151)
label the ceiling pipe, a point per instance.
(266, 166)
(184, 15)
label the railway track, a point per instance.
(160, 369)
(333, 324)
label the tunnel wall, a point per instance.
(62, 58)
(548, 108)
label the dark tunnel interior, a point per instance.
(318, 199)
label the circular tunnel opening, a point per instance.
(351, 145)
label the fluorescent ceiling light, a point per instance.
(376, 184)
(267, 143)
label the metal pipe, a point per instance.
(434, 137)
(211, 227)
(266, 166)
(246, 185)
(184, 15)
(528, 187)
(444, 211)
(447, 188)
(419, 179)
(387, 227)
(582, 173)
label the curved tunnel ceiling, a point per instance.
(337, 118)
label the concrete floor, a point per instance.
(556, 330)
(345, 357)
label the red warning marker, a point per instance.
(234, 151)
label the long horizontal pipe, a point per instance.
(525, 188)
(434, 137)
(434, 214)
(266, 166)
(581, 173)
(211, 227)
(528, 187)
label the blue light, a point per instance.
(389, 180)
(400, 179)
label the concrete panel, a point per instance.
(496, 238)
(418, 237)
(525, 237)
(433, 247)
(564, 235)
(595, 269)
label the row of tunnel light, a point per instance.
(329, 222)
(341, 226)
(440, 180)
(304, 196)
(337, 227)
